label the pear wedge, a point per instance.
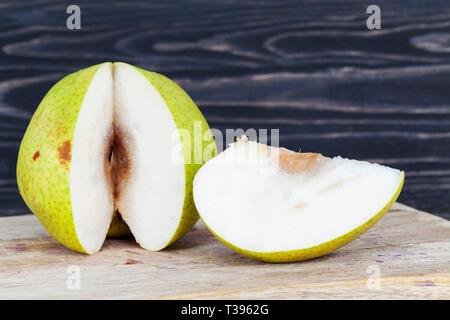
(276, 205)
(116, 141)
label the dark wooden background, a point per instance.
(310, 68)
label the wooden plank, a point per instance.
(410, 249)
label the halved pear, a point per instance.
(106, 142)
(276, 205)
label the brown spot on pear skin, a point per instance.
(64, 152)
(36, 155)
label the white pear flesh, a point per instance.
(277, 205)
(90, 192)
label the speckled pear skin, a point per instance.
(118, 228)
(43, 165)
(316, 251)
(184, 113)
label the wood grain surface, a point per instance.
(308, 68)
(408, 249)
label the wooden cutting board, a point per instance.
(405, 255)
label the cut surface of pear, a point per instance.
(276, 205)
(101, 145)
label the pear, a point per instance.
(276, 205)
(118, 228)
(113, 148)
